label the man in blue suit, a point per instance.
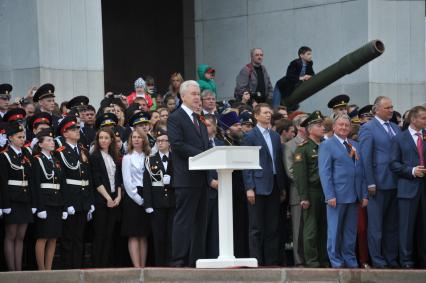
(375, 138)
(342, 178)
(407, 162)
(263, 189)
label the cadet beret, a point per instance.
(314, 117)
(14, 128)
(45, 133)
(338, 101)
(78, 101)
(5, 90)
(16, 114)
(39, 118)
(44, 91)
(69, 122)
(106, 119)
(138, 118)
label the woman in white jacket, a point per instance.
(135, 223)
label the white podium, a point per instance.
(226, 159)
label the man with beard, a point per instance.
(232, 135)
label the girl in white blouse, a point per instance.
(135, 223)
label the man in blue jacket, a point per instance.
(342, 178)
(263, 189)
(375, 138)
(408, 163)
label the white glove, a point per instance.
(166, 179)
(1, 213)
(7, 210)
(34, 210)
(71, 210)
(64, 215)
(89, 216)
(42, 214)
(138, 199)
(149, 210)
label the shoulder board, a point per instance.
(303, 143)
(60, 149)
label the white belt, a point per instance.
(18, 183)
(81, 183)
(50, 186)
(157, 184)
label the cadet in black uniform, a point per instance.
(45, 97)
(48, 184)
(16, 184)
(160, 198)
(77, 192)
(107, 180)
(35, 124)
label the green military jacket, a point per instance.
(305, 169)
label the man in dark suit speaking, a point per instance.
(188, 137)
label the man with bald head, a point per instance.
(375, 139)
(188, 137)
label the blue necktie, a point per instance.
(389, 129)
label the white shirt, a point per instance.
(111, 168)
(268, 140)
(133, 167)
(382, 122)
(415, 138)
(188, 111)
(164, 163)
(341, 140)
(16, 150)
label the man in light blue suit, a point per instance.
(263, 189)
(407, 162)
(375, 140)
(342, 178)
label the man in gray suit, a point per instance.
(295, 208)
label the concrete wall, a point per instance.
(57, 41)
(225, 30)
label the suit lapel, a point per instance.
(341, 148)
(262, 140)
(102, 162)
(409, 140)
(189, 120)
(158, 159)
(382, 129)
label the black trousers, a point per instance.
(73, 240)
(212, 241)
(189, 226)
(162, 225)
(264, 218)
(105, 221)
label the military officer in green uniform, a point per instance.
(307, 180)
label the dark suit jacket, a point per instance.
(186, 142)
(158, 196)
(288, 84)
(100, 177)
(404, 156)
(262, 180)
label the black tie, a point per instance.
(165, 158)
(195, 116)
(76, 150)
(20, 155)
(349, 149)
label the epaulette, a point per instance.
(60, 149)
(303, 143)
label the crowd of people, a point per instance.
(110, 186)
